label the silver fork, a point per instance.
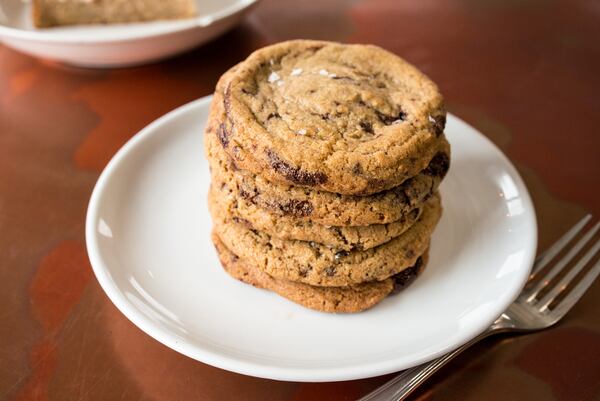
(527, 313)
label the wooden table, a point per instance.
(525, 73)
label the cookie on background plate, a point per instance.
(49, 13)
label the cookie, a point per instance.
(320, 206)
(48, 13)
(325, 299)
(317, 264)
(348, 119)
(285, 227)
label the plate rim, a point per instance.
(176, 26)
(261, 369)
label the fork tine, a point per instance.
(531, 294)
(562, 285)
(545, 257)
(567, 303)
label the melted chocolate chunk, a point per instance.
(249, 196)
(304, 271)
(366, 126)
(438, 166)
(295, 174)
(342, 77)
(340, 255)
(223, 135)
(244, 222)
(389, 119)
(407, 276)
(294, 208)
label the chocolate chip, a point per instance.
(438, 166)
(330, 271)
(223, 135)
(389, 119)
(294, 207)
(295, 174)
(343, 77)
(249, 196)
(304, 270)
(273, 115)
(357, 169)
(407, 276)
(367, 126)
(339, 255)
(244, 222)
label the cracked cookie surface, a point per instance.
(320, 207)
(349, 119)
(319, 265)
(325, 299)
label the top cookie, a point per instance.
(349, 119)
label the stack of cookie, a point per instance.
(325, 161)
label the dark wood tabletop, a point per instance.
(525, 73)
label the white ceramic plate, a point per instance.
(117, 45)
(148, 237)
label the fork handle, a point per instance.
(402, 385)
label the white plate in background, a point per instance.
(117, 45)
(148, 238)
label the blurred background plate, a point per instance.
(117, 45)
